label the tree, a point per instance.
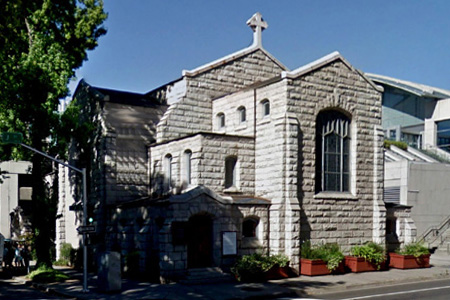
(42, 43)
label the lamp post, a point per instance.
(16, 138)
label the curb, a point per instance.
(325, 290)
(43, 287)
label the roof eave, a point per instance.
(228, 58)
(327, 59)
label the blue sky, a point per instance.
(150, 42)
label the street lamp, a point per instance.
(16, 138)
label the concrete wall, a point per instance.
(428, 194)
(396, 174)
(441, 112)
(9, 191)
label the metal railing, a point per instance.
(435, 233)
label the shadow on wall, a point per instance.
(305, 228)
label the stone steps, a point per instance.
(206, 275)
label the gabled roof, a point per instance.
(116, 96)
(257, 24)
(334, 56)
(233, 56)
(417, 89)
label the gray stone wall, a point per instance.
(147, 230)
(228, 105)
(193, 112)
(343, 218)
(208, 162)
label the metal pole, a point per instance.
(85, 286)
(83, 172)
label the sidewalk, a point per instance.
(295, 287)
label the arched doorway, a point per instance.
(200, 241)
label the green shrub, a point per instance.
(330, 253)
(401, 145)
(371, 252)
(416, 249)
(66, 255)
(252, 267)
(47, 275)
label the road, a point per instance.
(10, 289)
(436, 290)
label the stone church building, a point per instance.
(236, 156)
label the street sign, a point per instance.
(86, 229)
(12, 138)
(76, 207)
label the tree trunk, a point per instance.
(42, 209)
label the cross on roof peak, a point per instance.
(257, 24)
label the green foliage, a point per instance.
(66, 255)
(42, 43)
(416, 249)
(371, 252)
(251, 267)
(329, 253)
(401, 145)
(47, 275)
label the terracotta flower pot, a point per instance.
(399, 261)
(359, 264)
(277, 272)
(315, 267)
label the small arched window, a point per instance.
(168, 169)
(242, 114)
(230, 171)
(220, 120)
(265, 107)
(187, 157)
(249, 227)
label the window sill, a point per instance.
(264, 120)
(335, 196)
(231, 189)
(241, 126)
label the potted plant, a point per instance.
(368, 257)
(257, 267)
(321, 260)
(412, 256)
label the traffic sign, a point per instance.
(12, 138)
(86, 229)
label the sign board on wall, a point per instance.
(229, 243)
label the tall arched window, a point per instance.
(242, 114)
(230, 171)
(168, 169)
(220, 120)
(187, 156)
(333, 152)
(265, 107)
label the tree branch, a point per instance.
(30, 38)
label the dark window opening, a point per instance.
(249, 227)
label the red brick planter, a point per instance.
(315, 267)
(359, 264)
(399, 261)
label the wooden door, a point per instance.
(200, 242)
